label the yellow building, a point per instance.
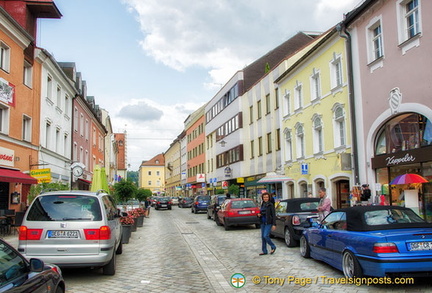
(152, 175)
(173, 167)
(315, 129)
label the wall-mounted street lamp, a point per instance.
(223, 143)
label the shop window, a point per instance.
(402, 133)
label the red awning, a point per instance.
(8, 175)
(85, 181)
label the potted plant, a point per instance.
(134, 214)
(127, 222)
(140, 218)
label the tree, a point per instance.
(124, 190)
(142, 194)
(234, 189)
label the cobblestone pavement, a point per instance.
(177, 251)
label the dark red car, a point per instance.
(238, 211)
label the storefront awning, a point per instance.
(8, 175)
(85, 181)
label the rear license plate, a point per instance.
(426, 245)
(163, 205)
(62, 234)
(244, 212)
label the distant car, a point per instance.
(374, 241)
(72, 229)
(174, 200)
(238, 211)
(185, 202)
(19, 275)
(292, 218)
(214, 206)
(163, 203)
(200, 203)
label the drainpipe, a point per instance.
(343, 33)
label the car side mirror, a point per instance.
(36, 265)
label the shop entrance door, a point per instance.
(343, 192)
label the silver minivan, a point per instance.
(72, 229)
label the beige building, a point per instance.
(152, 174)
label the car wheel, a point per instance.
(218, 221)
(289, 238)
(109, 268)
(226, 226)
(350, 265)
(59, 289)
(169, 208)
(120, 248)
(304, 247)
(192, 211)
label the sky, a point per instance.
(151, 63)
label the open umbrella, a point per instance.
(408, 178)
(104, 180)
(96, 179)
(272, 177)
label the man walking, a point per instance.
(324, 206)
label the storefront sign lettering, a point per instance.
(396, 161)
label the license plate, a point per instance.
(426, 245)
(62, 234)
(163, 205)
(244, 212)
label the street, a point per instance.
(177, 251)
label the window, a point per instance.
(278, 144)
(252, 149)
(57, 140)
(4, 119)
(318, 135)
(287, 108)
(75, 120)
(377, 42)
(409, 23)
(260, 150)
(288, 145)
(47, 134)
(267, 98)
(157, 173)
(149, 183)
(59, 98)
(276, 99)
(339, 126)
(4, 57)
(412, 18)
(259, 109)
(298, 99)
(49, 87)
(315, 85)
(149, 173)
(28, 74)
(336, 71)
(300, 141)
(251, 115)
(26, 135)
(269, 142)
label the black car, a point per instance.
(292, 218)
(214, 206)
(163, 203)
(185, 202)
(19, 275)
(200, 203)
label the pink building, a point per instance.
(390, 44)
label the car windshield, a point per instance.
(242, 204)
(203, 198)
(65, 208)
(391, 216)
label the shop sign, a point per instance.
(240, 180)
(200, 178)
(423, 154)
(42, 175)
(227, 172)
(394, 160)
(224, 184)
(7, 92)
(6, 157)
(305, 169)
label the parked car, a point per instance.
(373, 241)
(292, 218)
(185, 202)
(214, 206)
(163, 203)
(238, 211)
(174, 200)
(200, 203)
(72, 229)
(20, 275)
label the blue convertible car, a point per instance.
(372, 241)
